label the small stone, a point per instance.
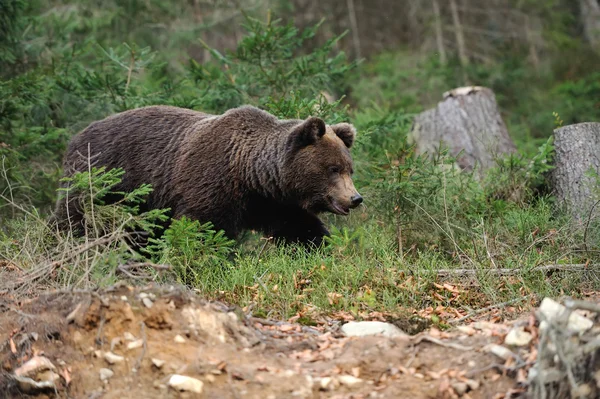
(210, 378)
(553, 310)
(518, 337)
(582, 391)
(184, 383)
(349, 380)
(106, 374)
(158, 363)
(473, 384)
(143, 295)
(111, 358)
(499, 351)
(128, 336)
(365, 328)
(77, 337)
(114, 342)
(127, 312)
(124, 298)
(135, 344)
(328, 384)
(147, 302)
(36, 374)
(460, 388)
(179, 339)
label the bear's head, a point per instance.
(318, 170)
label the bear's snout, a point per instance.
(356, 200)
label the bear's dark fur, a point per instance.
(244, 169)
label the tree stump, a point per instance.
(577, 152)
(467, 120)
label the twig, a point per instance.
(130, 69)
(436, 341)
(20, 313)
(587, 225)
(129, 274)
(412, 357)
(487, 249)
(582, 305)
(487, 308)
(99, 340)
(263, 247)
(507, 272)
(145, 264)
(138, 362)
(230, 382)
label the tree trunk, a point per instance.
(590, 16)
(577, 151)
(467, 120)
(439, 35)
(460, 37)
(354, 25)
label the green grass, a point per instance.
(421, 216)
(360, 272)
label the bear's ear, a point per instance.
(308, 132)
(346, 132)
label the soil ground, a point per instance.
(235, 356)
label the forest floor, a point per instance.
(126, 342)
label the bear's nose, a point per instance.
(356, 200)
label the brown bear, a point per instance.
(244, 169)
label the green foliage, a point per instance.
(192, 249)
(92, 188)
(269, 70)
(69, 63)
(11, 19)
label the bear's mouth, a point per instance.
(338, 208)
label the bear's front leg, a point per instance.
(301, 227)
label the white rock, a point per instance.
(128, 336)
(499, 351)
(553, 310)
(36, 374)
(112, 358)
(35, 365)
(364, 328)
(124, 298)
(179, 339)
(184, 383)
(158, 363)
(135, 344)
(106, 374)
(147, 302)
(473, 384)
(518, 337)
(349, 380)
(460, 388)
(328, 383)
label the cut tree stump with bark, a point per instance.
(467, 120)
(577, 152)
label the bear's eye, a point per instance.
(334, 170)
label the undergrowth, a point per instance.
(429, 237)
